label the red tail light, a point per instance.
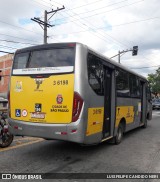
(77, 106)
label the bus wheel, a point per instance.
(119, 135)
(145, 124)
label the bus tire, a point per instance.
(145, 124)
(119, 135)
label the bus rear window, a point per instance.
(44, 61)
(21, 61)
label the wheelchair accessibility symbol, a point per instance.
(18, 113)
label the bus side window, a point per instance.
(122, 83)
(134, 86)
(148, 93)
(95, 74)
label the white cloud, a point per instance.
(107, 41)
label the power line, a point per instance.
(94, 9)
(146, 67)
(109, 35)
(113, 9)
(56, 2)
(101, 34)
(86, 4)
(46, 6)
(7, 52)
(18, 27)
(17, 37)
(91, 27)
(115, 25)
(148, 19)
(96, 35)
(86, 17)
(3, 46)
(16, 42)
(41, 4)
(50, 2)
(98, 28)
(78, 6)
(112, 38)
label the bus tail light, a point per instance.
(77, 106)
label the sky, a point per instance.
(107, 26)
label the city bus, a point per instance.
(69, 92)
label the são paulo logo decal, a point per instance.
(59, 99)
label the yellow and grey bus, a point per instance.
(67, 91)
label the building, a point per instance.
(5, 69)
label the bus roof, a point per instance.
(47, 46)
(73, 44)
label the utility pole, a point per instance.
(134, 52)
(44, 24)
(45, 27)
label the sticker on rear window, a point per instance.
(46, 70)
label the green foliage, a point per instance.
(154, 80)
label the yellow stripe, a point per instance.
(95, 120)
(24, 144)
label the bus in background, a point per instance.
(67, 91)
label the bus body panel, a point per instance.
(92, 127)
(42, 100)
(60, 128)
(88, 129)
(91, 133)
(47, 131)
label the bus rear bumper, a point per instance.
(68, 132)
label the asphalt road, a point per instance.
(139, 152)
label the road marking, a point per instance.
(23, 144)
(23, 138)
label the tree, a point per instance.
(154, 80)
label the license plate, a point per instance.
(38, 115)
